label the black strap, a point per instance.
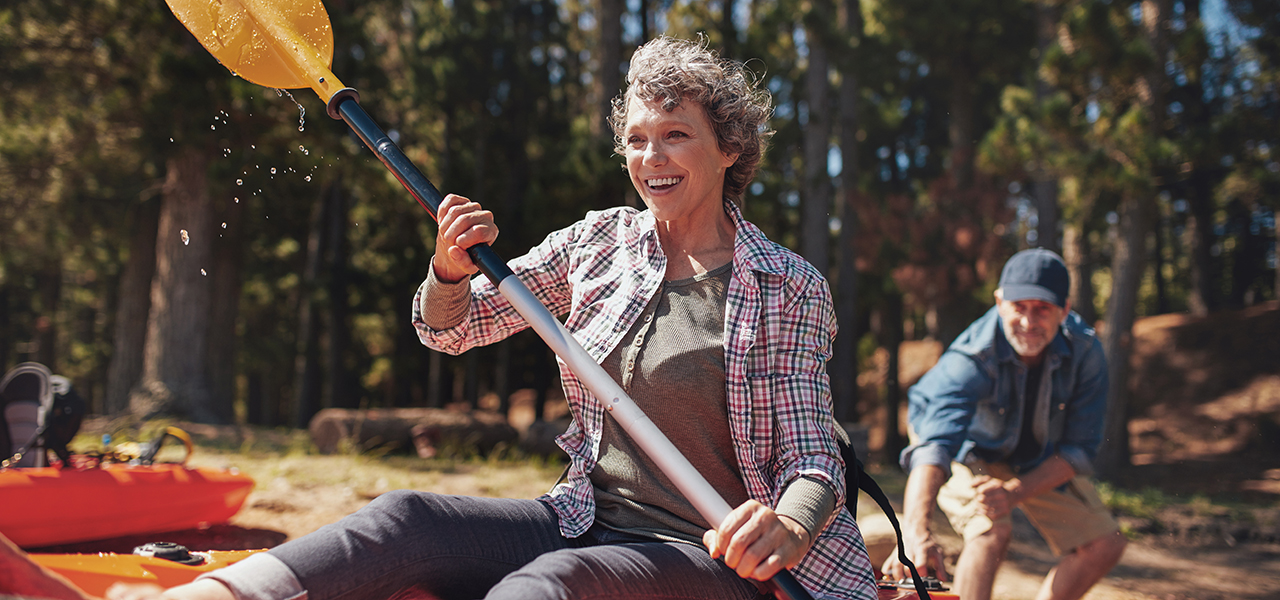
(856, 479)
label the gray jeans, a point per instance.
(463, 548)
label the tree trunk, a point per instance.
(340, 392)
(1078, 256)
(134, 304)
(952, 312)
(1044, 191)
(1157, 268)
(435, 376)
(891, 324)
(49, 293)
(728, 32)
(843, 368)
(228, 256)
(5, 334)
(307, 374)
(1044, 187)
(961, 125)
(1127, 265)
(1199, 238)
(174, 374)
(610, 62)
(426, 429)
(1129, 259)
(815, 207)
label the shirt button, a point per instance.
(1062, 406)
(1001, 411)
(648, 317)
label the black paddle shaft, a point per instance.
(345, 105)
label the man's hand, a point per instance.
(995, 498)
(756, 542)
(924, 552)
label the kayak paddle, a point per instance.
(289, 44)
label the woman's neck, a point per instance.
(695, 249)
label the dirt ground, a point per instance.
(1205, 425)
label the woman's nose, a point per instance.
(654, 154)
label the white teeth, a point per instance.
(663, 181)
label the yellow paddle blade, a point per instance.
(276, 43)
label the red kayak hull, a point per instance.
(49, 506)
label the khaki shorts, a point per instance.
(1067, 518)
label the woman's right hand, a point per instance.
(462, 224)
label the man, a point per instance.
(1011, 416)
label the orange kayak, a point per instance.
(50, 506)
(94, 573)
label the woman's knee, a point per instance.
(398, 502)
(552, 576)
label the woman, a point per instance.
(718, 334)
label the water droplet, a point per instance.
(237, 200)
(273, 170)
(203, 273)
(224, 225)
(308, 178)
(254, 146)
(186, 239)
(239, 182)
(170, 139)
(214, 127)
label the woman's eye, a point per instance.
(679, 134)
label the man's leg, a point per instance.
(985, 541)
(979, 561)
(1081, 532)
(1079, 570)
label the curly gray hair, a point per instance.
(670, 71)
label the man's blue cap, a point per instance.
(1036, 274)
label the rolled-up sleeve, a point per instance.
(940, 409)
(259, 577)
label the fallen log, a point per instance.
(422, 430)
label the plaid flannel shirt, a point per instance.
(779, 322)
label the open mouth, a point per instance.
(663, 183)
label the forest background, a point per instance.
(179, 241)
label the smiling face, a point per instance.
(674, 160)
(1029, 325)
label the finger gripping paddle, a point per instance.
(289, 44)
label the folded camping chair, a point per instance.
(26, 398)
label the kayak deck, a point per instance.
(94, 573)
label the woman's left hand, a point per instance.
(757, 542)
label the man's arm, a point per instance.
(997, 498)
(918, 503)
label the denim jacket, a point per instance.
(969, 406)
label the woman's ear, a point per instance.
(729, 159)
